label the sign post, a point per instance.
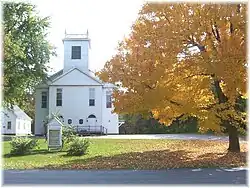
(54, 134)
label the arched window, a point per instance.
(91, 116)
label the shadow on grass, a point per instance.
(156, 160)
(6, 138)
(34, 152)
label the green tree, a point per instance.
(26, 53)
(137, 124)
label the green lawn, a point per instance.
(131, 154)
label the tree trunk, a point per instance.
(234, 144)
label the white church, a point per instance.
(75, 93)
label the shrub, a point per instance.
(22, 145)
(68, 134)
(78, 146)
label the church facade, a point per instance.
(75, 93)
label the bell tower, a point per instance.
(76, 51)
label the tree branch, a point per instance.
(174, 102)
(216, 32)
(238, 8)
(195, 44)
(231, 28)
(202, 74)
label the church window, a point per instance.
(69, 121)
(76, 52)
(9, 125)
(80, 121)
(44, 99)
(58, 97)
(91, 96)
(92, 116)
(108, 99)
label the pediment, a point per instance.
(75, 77)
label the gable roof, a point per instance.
(19, 113)
(59, 75)
(50, 79)
(56, 75)
(55, 121)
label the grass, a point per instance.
(131, 154)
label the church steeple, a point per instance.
(76, 51)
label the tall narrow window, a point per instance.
(108, 99)
(9, 125)
(58, 97)
(91, 96)
(44, 99)
(76, 52)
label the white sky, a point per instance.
(107, 21)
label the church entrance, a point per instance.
(91, 121)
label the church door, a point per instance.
(91, 121)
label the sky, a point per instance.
(107, 22)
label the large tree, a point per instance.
(181, 60)
(26, 53)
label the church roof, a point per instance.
(60, 74)
(55, 75)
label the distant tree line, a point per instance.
(137, 124)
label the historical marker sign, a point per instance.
(54, 134)
(54, 137)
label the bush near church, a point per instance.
(77, 147)
(22, 145)
(68, 134)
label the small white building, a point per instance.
(81, 99)
(15, 121)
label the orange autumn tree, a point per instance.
(181, 60)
